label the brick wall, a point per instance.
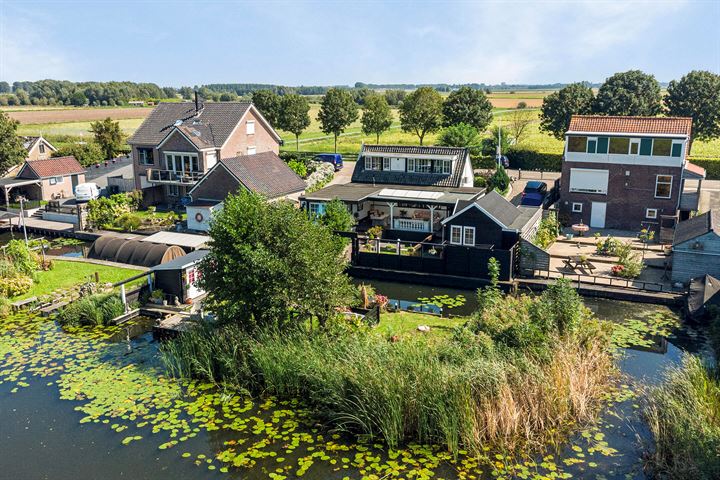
(627, 198)
(238, 142)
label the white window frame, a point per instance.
(372, 163)
(251, 150)
(677, 142)
(386, 163)
(577, 207)
(456, 230)
(56, 180)
(657, 182)
(410, 164)
(654, 214)
(442, 166)
(635, 141)
(423, 165)
(467, 230)
(595, 191)
(171, 159)
(250, 127)
(587, 144)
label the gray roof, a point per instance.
(264, 173)
(360, 175)
(215, 122)
(182, 262)
(204, 203)
(703, 291)
(355, 192)
(697, 226)
(510, 216)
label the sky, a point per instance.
(183, 42)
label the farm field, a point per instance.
(76, 129)
(60, 115)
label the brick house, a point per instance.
(179, 142)
(37, 148)
(628, 172)
(264, 173)
(46, 179)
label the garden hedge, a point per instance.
(532, 160)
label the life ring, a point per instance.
(199, 217)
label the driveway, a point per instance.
(710, 195)
(344, 175)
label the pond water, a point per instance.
(94, 403)
(60, 246)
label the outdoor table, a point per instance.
(576, 262)
(580, 228)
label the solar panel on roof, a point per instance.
(424, 195)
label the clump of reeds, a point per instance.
(96, 309)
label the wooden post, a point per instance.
(97, 277)
(123, 298)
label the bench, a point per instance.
(22, 303)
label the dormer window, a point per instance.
(373, 163)
(443, 166)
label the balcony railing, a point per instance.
(411, 224)
(171, 176)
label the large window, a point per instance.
(577, 144)
(585, 180)
(662, 147)
(619, 145)
(145, 156)
(663, 186)
(373, 163)
(423, 165)
(456, 234)
(56, 180)
(442, 166)
(182, 162)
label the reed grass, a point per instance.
(96, 309)
(683, 414)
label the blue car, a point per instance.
(334, 158)
(534, 194)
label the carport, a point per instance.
(8, 184)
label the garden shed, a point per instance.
(179, 277)
(704, 291)
(133, 252)
(696, 247)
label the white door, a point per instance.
(597, 215)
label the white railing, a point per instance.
(411, 224)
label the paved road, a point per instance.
(344, 175)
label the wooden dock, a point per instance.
(172, 326)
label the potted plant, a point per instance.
(157, 297)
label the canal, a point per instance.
(86, 404)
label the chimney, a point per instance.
(196, 102)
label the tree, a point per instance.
(395, 97)
(558, 107)
(489, 144)
(518, 122)
(268, 102)
(187, 93)
(12, 151)
(421, 112)
(337, 218)
(169, 92)
(271, 266)
(108, 136)
(460, 135)
(22, 96)
(88, 153)
(377, 116)
(469, 106)
(499, 180)
(697, 95)
(337, 111)
(294, 116)
(228, 97)
(5, 87)
(78, 99)
(629, 93)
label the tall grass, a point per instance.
(96, 309)
(683, 414)
(434, 390)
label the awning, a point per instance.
(693, 172)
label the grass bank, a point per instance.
(66, 274)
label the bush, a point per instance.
(499, 180)
(522, 105)
(128, 222)
(479, 181)
(96, 309)
(298, 167)
(15, 285)
(547, 232)
(532, 160)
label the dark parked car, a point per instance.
(534, 194)
(334, 158)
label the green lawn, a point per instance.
(66, 274)
(406, 323)
(77, 129)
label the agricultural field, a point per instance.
(40, 115)
(75, 129)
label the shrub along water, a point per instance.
(518, 374)
(96, 309)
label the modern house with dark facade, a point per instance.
(179, 142)
(264, 173)
(407, 190)
(628, 172)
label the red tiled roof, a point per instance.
(640, 125)
(52, 167)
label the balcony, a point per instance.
(173, 177)
(411, 224)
